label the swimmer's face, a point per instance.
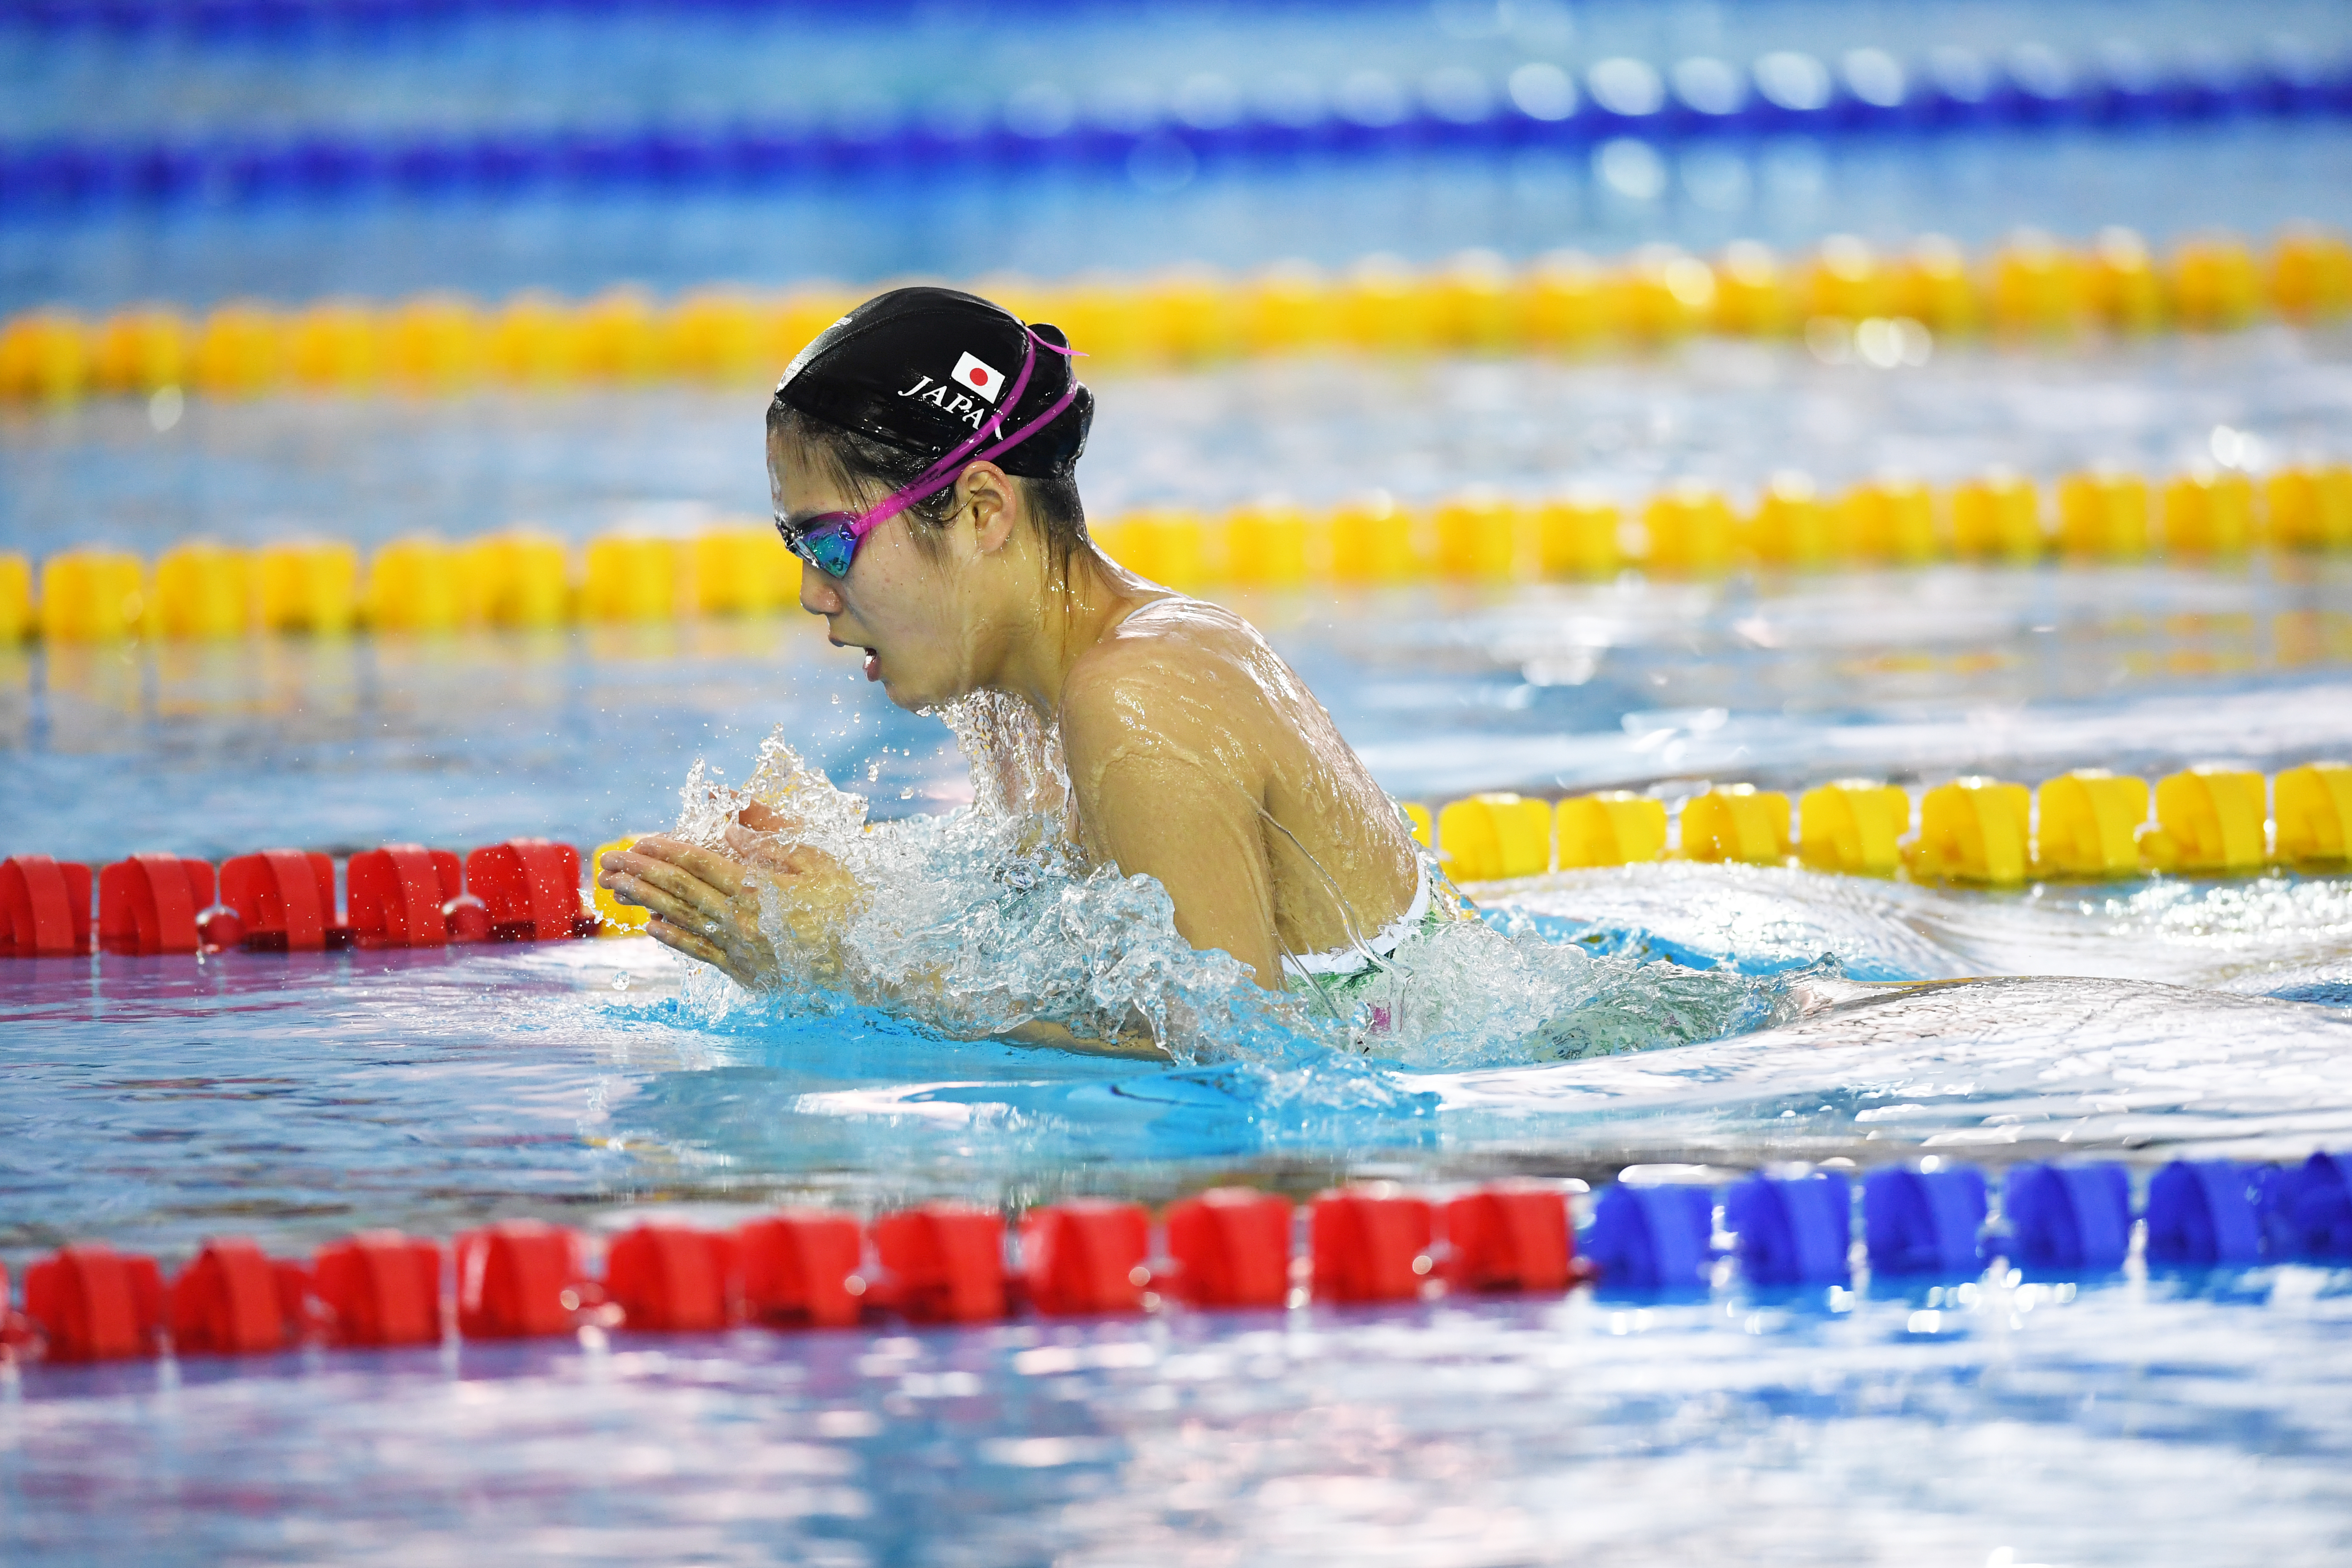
(904, 604)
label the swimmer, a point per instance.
(920, 455)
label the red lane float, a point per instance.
(668, 1278)
(402, 895)
(380, 1288)
(1231, 1247)
(232, 1300)
(1370, 1243)
(286, 901)
(399, 895)
(531, 887)
(96, 1304)
(148, 903)
(1510, 1237)
(1086, 1257)
(800, 1269)
(943, 1263)
(518, 1278)
(44, 906)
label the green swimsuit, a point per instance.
(1346, 979)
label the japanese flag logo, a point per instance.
(972, 376)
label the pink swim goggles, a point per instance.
(829, 540)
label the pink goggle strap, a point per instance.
(946, 471)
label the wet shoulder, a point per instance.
(1173, 664)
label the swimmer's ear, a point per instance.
(995, 505)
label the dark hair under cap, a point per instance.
(887, 370)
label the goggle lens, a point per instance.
(826, 543)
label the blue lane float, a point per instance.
(1864, 91)
(1653, 1237)
(2056, 1221)
(2069, 1218)
(1925, 1223)
(2306, 1210)
(1792, 1231)
(2201, 1213)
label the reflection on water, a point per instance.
(2002, 1423)
(1763, 920)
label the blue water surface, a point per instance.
(2000, 1421)
(1946, 1425)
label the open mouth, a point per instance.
(873, 657)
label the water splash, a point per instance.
(991, 920)
(780, 781)
(1482, 991)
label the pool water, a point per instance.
(1919, 675)
(1315, 430)
(2250, 177)
(1943, 1423)
(494, 71)
(2002, 1425)
(2014, 1419)
(154, 1102)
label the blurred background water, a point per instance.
(1313, 430)
(311, 147)
(302, 148)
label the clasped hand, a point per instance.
(708, 905)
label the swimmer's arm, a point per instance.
(1137, 1043)
(1162, 799)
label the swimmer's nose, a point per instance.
(818, 596)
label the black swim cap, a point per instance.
(923, 369)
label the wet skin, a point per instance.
(1195, 755)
